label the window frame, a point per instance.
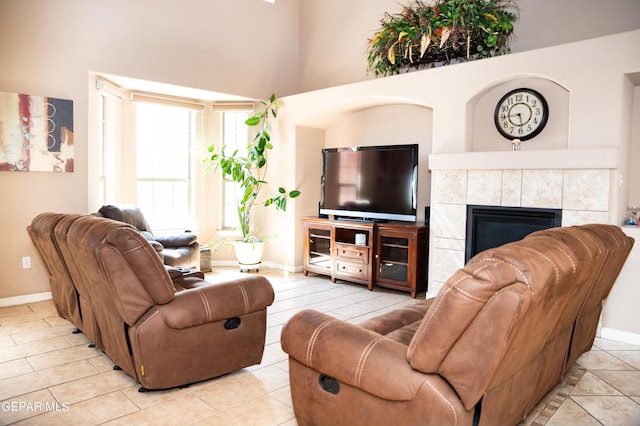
(194, 118)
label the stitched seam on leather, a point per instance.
(518, 270)
(612, 235)
(513, 321)
(574, 267)
(138, 330)
(314, 338)
(579, 238)
(593, 282)
(363, 359)
(244, 298)
(147, 320)
(548, 259)
(159, 270)
(446, 401)
(205, 302)
(469, 295)
(435, 310)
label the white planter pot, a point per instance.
(249, 255)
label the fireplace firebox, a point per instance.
(493, 226)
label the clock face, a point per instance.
(521, 114)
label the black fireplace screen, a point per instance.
(493, 226)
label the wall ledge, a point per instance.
(561, 159)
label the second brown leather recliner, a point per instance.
(177, 249)
(499, 335)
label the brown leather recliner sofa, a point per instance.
(163, 328)
(499, 335)
(180, 250)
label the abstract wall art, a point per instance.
(36, 133)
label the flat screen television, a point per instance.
(372, 183)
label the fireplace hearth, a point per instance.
(493, 226)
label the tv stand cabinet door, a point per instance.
(401, 258)
(318, 243)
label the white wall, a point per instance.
(634, 175)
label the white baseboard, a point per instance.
(620, 336)
(27, 298)
(286, 268)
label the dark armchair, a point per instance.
(178, 250)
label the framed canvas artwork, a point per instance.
(36, 133)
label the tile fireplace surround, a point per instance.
(576, 181)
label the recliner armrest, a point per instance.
(177, 240)
(353, 355)
(217, 301)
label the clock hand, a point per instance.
(519, 115)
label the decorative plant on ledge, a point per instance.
(249, 171)
(423, 35)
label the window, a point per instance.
(109, 111)
(235, 135)
(164, 137)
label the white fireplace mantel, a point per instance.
(585, 158)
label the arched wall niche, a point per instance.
(365, 122)
(481, 133)
(324, 114)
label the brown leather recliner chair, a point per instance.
(177, 250)
(498, 336)
(161, 336)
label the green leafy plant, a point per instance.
(425, 35)
(249, 170)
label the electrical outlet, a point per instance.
(26, 262)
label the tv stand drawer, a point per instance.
(352, 270)
(353, 253)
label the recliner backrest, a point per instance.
(127, 264)
(60, 233)
(64, 294)
(128, 214)
(511, 310)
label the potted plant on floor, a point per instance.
(248, 170)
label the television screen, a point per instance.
(370, 182)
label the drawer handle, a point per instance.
(359, 254)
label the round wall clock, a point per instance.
(521, 114)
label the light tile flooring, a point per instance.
(49, 376)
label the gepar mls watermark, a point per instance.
(33, 406)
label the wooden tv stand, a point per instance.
(393, 255)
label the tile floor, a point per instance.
(49, 376)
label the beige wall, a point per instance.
(389, 125)
(50, 48)
(634, 175)
(335, 33)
